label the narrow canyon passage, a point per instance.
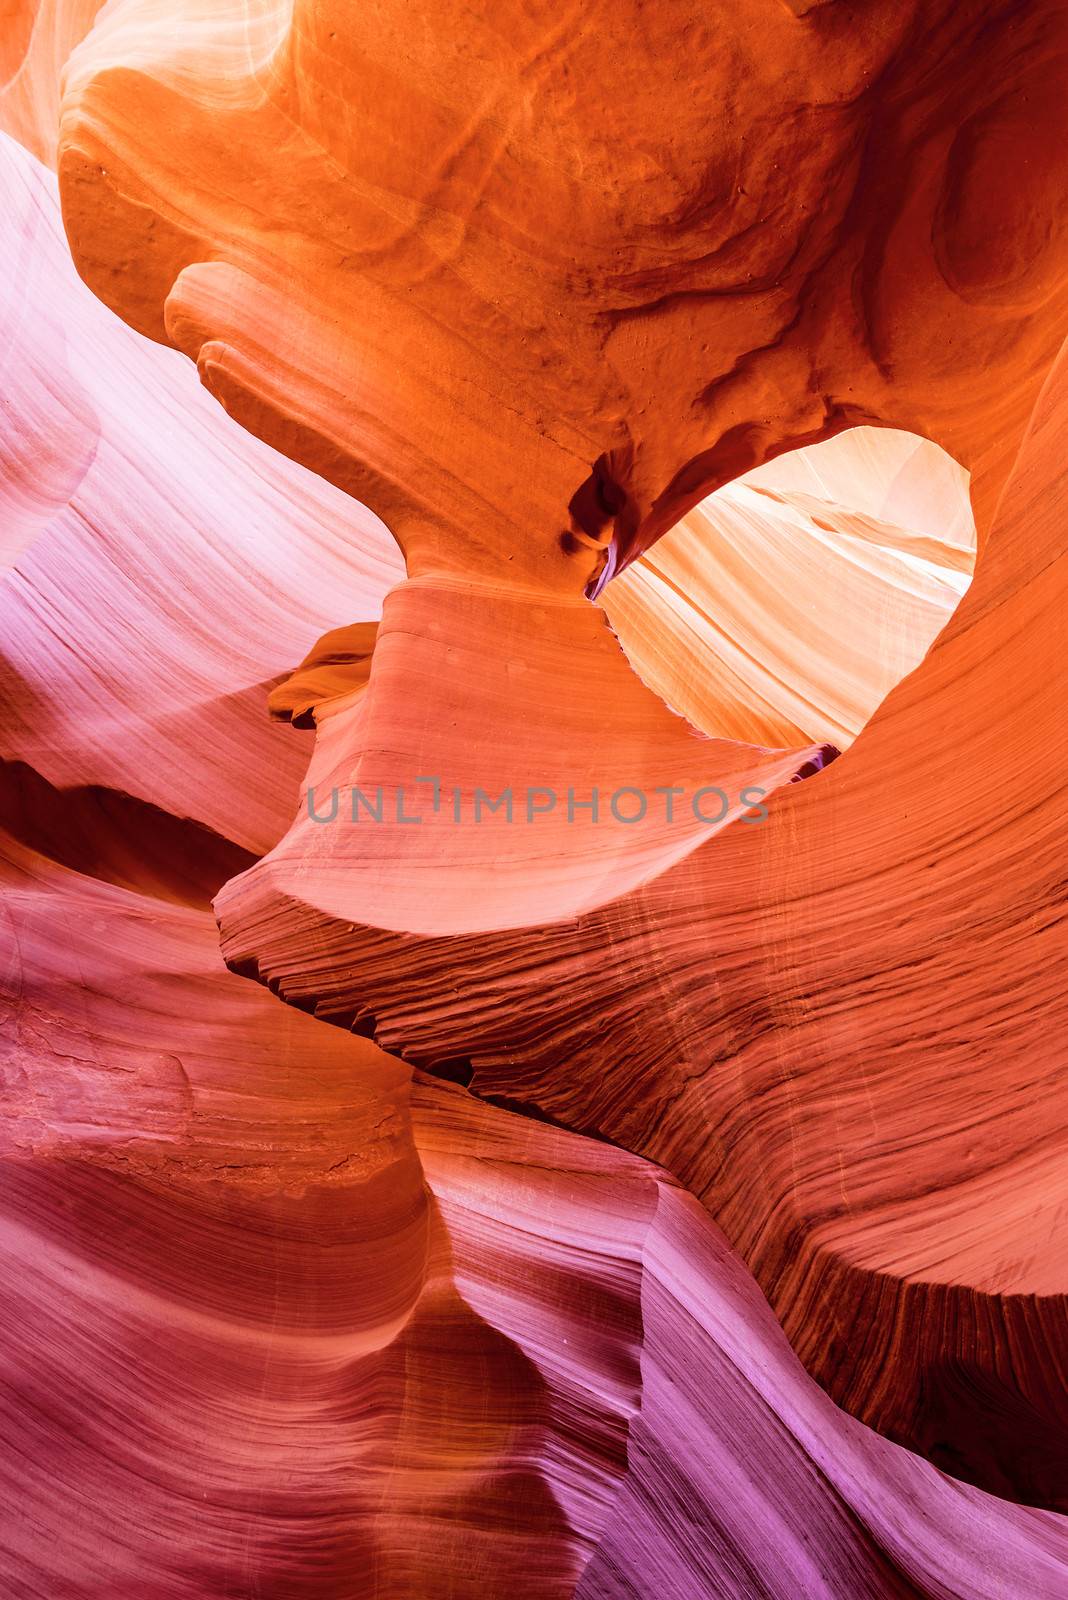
(532, 800)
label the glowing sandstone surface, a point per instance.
(685, 1217)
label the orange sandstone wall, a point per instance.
(554, 522)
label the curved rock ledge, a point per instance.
(278, 1323)
(503, 294)
(841, 1028)
(518, 288)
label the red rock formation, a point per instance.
(839, 1028)
(277, 1323)
(660, 303)
(274, 1327)
(447, 822)
(35, 40)
(459, 266)
(139, 515)
(789, 604)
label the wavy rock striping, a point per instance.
(240, 1349)
(188, 563)
(839, 1028)
(35, 42)
(503, 295)
(608, 385)
(425, 812)
(277, 1326)
(787, 605)
(747, 1008)
(837, 1516)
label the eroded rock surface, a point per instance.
(518, 290)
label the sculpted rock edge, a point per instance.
(656, 1136)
